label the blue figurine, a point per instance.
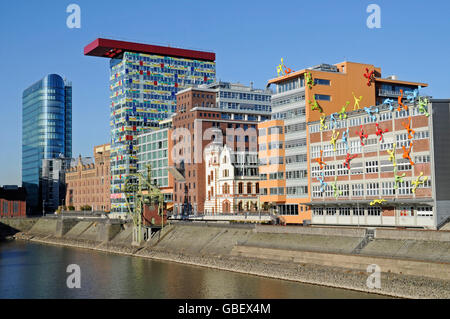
(413, 95)
(345, 139)
(333, 120)
(390, 103)
(371, 112)
(322, 183)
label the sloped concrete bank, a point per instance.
(323, 256)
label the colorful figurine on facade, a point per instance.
(406, 153)
(371, 112)
(423, 106)
(400, 103)
(369, 76)
(419, 181)
(323, 126)
(357, 100)
(392, 156)
(361, 134)
(411, 96)
(320, 161)
(408, 128)
(348, 158)
(333, 120)
(322, 182)
(377, 201)
(309, 80)
(398, 178)
(334, 138)
(379, 132)
(315, 106)
(342, 113)
(336, 191)
(345, 139)
(389, 102)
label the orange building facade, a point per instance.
(309, 95)
(89, 183)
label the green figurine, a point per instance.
(423, 106)
(398, 178)
(315, 106)
(309, 80)
(342, 113)
(336, 191)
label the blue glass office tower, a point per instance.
(46, 132)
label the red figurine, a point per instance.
(361, 134)
(369, 76)
(348, 158)
(379, 132)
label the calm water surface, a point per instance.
(29, 270)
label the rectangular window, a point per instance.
(374, 211)
(322, 81)
(372, 189)
(358, 211)
(318, 211)
(371, 167)
(424, 211)
(322, 97)
(358, 190)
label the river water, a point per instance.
(29, 270)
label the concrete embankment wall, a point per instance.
(400, 234)
(324, 231)
(407, 267)
(18, 224)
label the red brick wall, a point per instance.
(21, 209)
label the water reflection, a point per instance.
(30, 270)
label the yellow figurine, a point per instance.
(357, 100)
(418, 182)
(334, 138)
(377, 201)
(322, 122)
(392, 156)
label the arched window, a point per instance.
(241, 188)
(249, 188)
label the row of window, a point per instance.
(368, 189)
(421, 211)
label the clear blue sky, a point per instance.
(248, 37)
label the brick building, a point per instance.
(380, 168)
(232, 109)
(13, 201)
(89, 183)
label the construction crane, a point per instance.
(139, 191)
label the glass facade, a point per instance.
(143, 92)
(46, 132)
(153, 150)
